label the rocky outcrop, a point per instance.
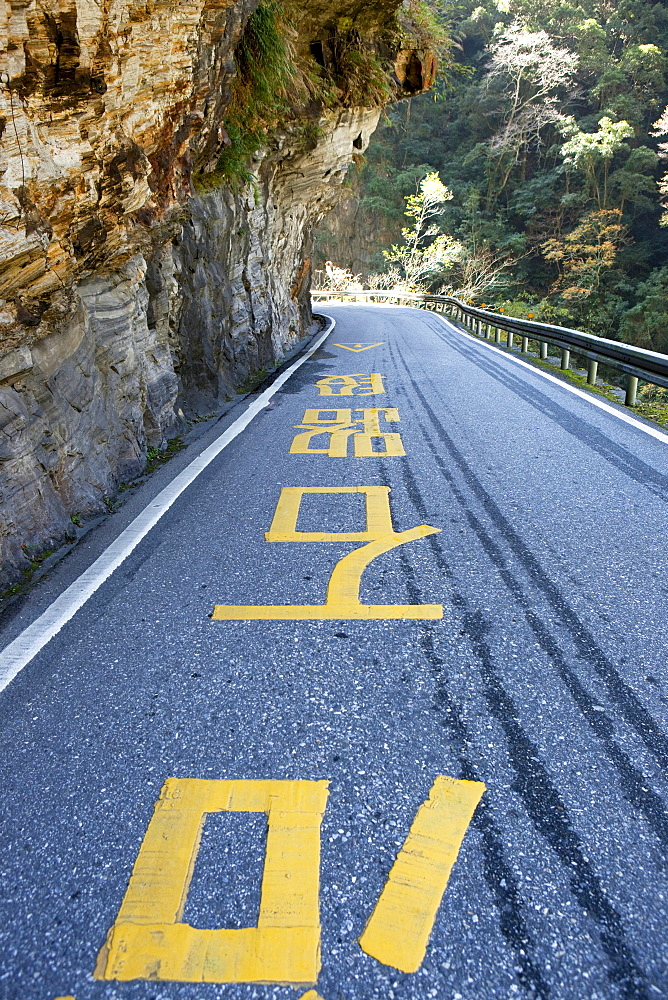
(127, 301)
(350, 236)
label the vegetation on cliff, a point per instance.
(546, 130)
(279, 87)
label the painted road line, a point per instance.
(148, 940)
(342, 601)
(344, 385)
(590, 397)
(358, 346)
(311, 995)
(21, 651)
(364, 430)
(398, 931)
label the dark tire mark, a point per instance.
(498, 873)
(628, 702)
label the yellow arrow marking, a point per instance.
(398, 931)
(359, 346)
(149, 939)
(311, 995)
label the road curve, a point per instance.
(492, 613)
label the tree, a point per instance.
(592, 153)
(646, 323)
(426, 252)
(584, 255)
(661, 129)
(532, 77)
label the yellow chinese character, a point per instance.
(340, 425)
(149, 939)
(345, 385)
(343, 600)
(398, 931)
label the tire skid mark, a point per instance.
(635, 713)
(635, 786)
(550, 817)
(534, 786)
(594, 439)
(499, 876)
(632, 780)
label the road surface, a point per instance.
(479, 692)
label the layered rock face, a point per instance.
(128, 302)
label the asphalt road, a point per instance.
(545, 678)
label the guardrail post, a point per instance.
(525, 345)
(592, 371)
(497, 334)
(631, 390)
(509, 340)
(543, 349)
(565, 359)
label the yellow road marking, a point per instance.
(359, 346)
(283, 527)
(148, 939)
(398, 931)
(311, 995)
(343, 385)
(342, 601)
(72, 998)
(364, 430)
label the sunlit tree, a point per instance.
(532, 78)
(426, 252)
(661, 129)
(592, 153)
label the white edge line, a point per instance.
(28, 643)
(652, 431)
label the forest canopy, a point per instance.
(547, 128)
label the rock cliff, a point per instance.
(140, 283)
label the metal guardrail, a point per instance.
(635, 362)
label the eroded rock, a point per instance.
(126, 299)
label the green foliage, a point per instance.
(155, 457)
(428, 29)
(592, 152)
(266, 78)
(646, 323)
(550, 121)
(363, 79)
